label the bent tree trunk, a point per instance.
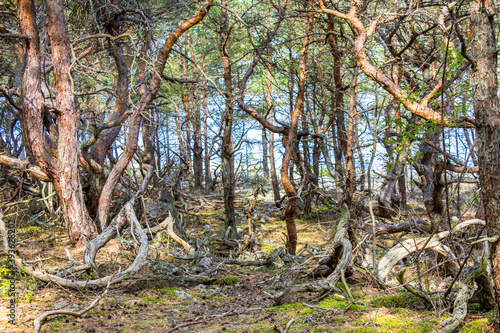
(430, 175)
(487, 113)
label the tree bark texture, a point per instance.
(487, 113)
(59, 160)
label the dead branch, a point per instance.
(412, 225)
(207, 318)
(117, 224)
(32, 170)
(409, 246)
(168, 223)
(279, 252)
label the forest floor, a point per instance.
(239, 300)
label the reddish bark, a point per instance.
(59, 160)
(289, 143)
(487, 113)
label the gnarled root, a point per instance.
(116, 224)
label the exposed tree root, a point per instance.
(168, 224)
(417, 292)
(116, 224)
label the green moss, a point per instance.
(396, 301)
(170, 292)
(28, 230)
(476, 326)
(228, 280)
(397, 320)
(338, 303)
(284, 307)
(306, 311)
(267, 248)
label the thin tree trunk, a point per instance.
(272, 163)
(227, 148)
(338, 123)
(208, 172)
(349, 157)
(265, 164)
(289, 143)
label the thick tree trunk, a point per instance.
(487, 113)
(430, 172)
